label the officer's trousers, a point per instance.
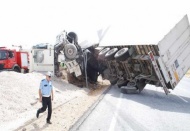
(46, 103)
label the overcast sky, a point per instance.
(24, 22)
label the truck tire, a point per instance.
(140, 84)
(16, 69)
(110, 54)
(72, 36)
(122, 54)
(113, 80)
(121, 83)
(102, 53)
(26, 71)
(129, 90)
(70, 51)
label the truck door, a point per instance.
(11, 61)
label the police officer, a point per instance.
(45, 96)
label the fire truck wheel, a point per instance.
(102, 53)
(70, 51)
(110, 54)
(26, 71)
(16, 69)
(122, 54)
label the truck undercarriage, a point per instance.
(121, 65)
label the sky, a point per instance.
(29, 22)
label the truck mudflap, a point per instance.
(158, 73)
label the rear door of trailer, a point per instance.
(174, 50)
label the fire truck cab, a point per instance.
(13, 60)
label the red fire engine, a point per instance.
(13, 60)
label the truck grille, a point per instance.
(1, 66)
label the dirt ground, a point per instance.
(66, 114)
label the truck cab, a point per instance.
(13, 60)
(7, 59)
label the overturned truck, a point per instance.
(131, 66)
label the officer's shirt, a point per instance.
(46, 88)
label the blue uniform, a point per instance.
(46, 88)
(46, 91)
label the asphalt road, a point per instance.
(151, 110)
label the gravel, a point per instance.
(19, 102)
(19, 97)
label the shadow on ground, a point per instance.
(158, 100)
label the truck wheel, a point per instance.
(113, 80)
(110, 54)
(70, 51)
(102, 53)
(129, 90)
(122, 54)
(72, 36)
(16, 69)
(26, 71)
(121, 83)
(140, 84)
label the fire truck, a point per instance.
(13, 60)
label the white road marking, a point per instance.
(113, 122)
(180, 97)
